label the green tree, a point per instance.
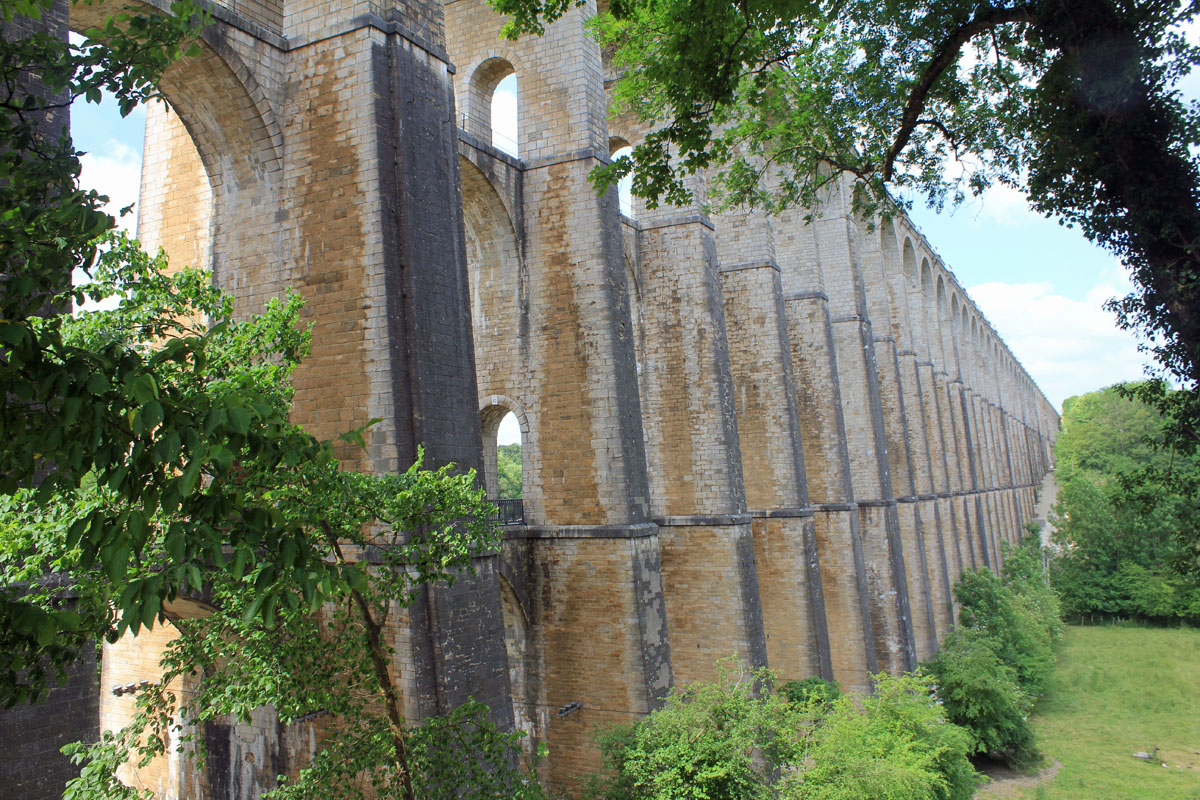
(272, 638)
(980, 692)
(1126, 509)
(132, 418)
(993, 666)
(508, 468)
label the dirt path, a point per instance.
(1007, 784)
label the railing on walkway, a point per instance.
(472, 125)
(512, 512)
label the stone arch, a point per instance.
(893, 265)
(498, 283)
(236, 137)
(482, 81)
(619, 146)
(522, 672)
(616, 142)
(492, 411)
(910, 265)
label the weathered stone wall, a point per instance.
(31, 766)
(741, 435)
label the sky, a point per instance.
(1041, 285)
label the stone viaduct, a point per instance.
(741, 434)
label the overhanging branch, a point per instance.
(945, 56)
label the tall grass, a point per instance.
(1120, 690)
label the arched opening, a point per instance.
(910, 266)
(520, 669)
(505, 132)
(508, 458)
(173, 184)
(619, 148)
(503, 462)
(492, 109)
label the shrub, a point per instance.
(1016, 625)
(980, 693)
(996, 663)
(739, 739)
(894, 745)
(725, 740)
(816, 693)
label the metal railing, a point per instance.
(504, 144)
(512, 511)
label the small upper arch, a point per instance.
(479, 110)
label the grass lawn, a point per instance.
(1117, 691)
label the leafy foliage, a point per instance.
(508, 468)
(1127, 517)
(724, 739)
(992, 667)
(981, 693)
(895, 744)
(302, 640)
(812, 691)
(737, 738)
(151, 413)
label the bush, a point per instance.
(1017, 626)
(894, 745)
(813, 692)
(725, 740)
(996, 663)
(738, 739)
(980, 693)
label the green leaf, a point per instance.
(176, 545)
(137, 529)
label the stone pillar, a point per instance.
(880, 260)
(693, 450)
(773, 469)
(586, 571)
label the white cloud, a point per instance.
(116, 172)
(1067, 346)
(505, 135)
(510, 430)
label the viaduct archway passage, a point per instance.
(741, 435)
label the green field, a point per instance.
(1117, 691)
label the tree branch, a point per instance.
(943, 58)
(379, 661)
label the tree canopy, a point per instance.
(169, 418)
(1127, 521)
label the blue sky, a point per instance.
(1040, 284)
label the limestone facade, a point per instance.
(742, 435)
